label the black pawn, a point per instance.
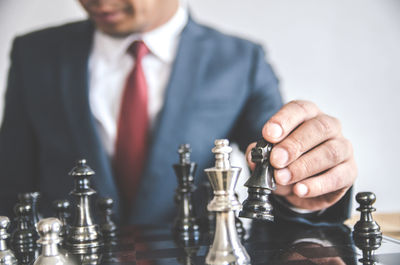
(62, 209)
(186, 226)
(239, 224)
(24, 236)
(367, 233)
(260, 185)
(31, 198)
(107, 226)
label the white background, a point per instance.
(342, 54)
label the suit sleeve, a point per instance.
(17, 141)
(264, 101)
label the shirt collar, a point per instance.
(162, 41)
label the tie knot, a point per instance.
(138, 49)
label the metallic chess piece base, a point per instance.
(226, 248)
(257, 205)
(83, 239)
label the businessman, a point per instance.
(139, 77)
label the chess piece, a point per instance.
(208, 222)
(24, 236)
(260, 184)
(31, 198)
(107, 226)
(49, 230)
(186, 225)
(367, 235)
(84, 235)
(6, 255)
(226, 247)
(62, 209)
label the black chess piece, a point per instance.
(260, 184)
(6, 255)
(186, 224)
(107, 225)
(84, 236)
(31, 198)
(239, 225)
(367, 234)
(24, 236)
(63, 213)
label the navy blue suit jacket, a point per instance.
(220, 87)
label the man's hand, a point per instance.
(314, 164)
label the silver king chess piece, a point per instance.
(260, 184)
(6, 255)
(226, 247)
(84, 235)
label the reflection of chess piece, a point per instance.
(186, 225)
(226, 247)
(24, 236)
(84, 235)
(31, 198)
(6, 255)
(49, 230)
(367, 234)
(62, 209)
(260, 184)
(107, 225)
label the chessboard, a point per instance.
(266, 243)
(220, 238)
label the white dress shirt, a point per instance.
(110, 64)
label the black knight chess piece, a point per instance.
(84, 236)
(107, 226)
(367, 234)
(31, 198)
(6, 255)
(63, 213)
(24, 236)
(260, 184)
(186, 226)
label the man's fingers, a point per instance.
(340, 177)
(288, 118)
(308, 135)
(316, 203)
(319, 159)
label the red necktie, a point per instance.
(133, 124)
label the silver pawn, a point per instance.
(226, 247)
(6, 255)
(49, 230)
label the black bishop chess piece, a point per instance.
(260, 184)
(49, 230)
(6, 255)
(186, 226)
(84, 236)
(107, 226)
(62, 209)
(31, 198)
(367, 233)
(24, 236)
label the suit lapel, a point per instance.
(75, 97)
(170, 127)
